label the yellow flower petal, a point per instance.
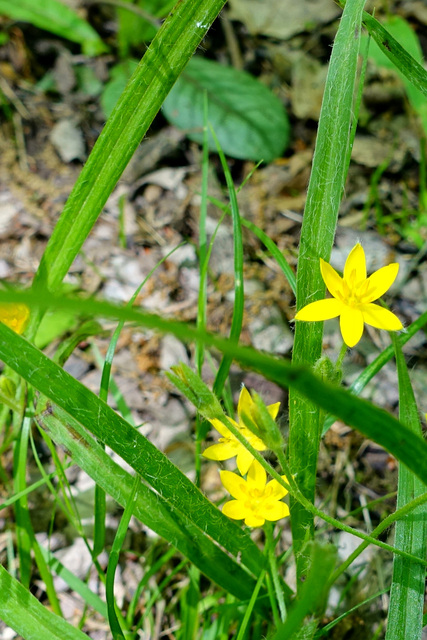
(331, 278)
(257, 476)
(278, 492)
(234, 484)
(220, 451)
(351, 325)
(235, 509)
(355, 264)
(380, 282)
(273, 409)
(14, 315)
(273, 510)
(219, 426)
(244, 460)
(245, 402)
(320, 310)
(253, 520)
(380, 318)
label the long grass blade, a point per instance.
(155, 75)
(154, 508)
(21, 611)
(35, 367)
(402, 60)
(317, 234)
(239, 300)
(408, 581)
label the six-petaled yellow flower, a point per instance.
(15, 316)
(228, 446)
(256, 500)
(352, 299)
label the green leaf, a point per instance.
(400, 58)
(58, 18)
(134, 29)
(239, 297)
(400, 29)
(408, 582)
(34, 366)
(380, 361)
(324, 195)
(162, 63)
(313, 593)
(153, 466)
(114, 88)
(248, 119)
(173, 519)
(77, 585)
(21, 611)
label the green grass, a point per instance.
(206, 574)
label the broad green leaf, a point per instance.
(248, 119)
(324, 195)
(158, 509)
(34, 366)
(21, 611)
(158, 70)
(57, 17)
(408, 581)
(153, 466)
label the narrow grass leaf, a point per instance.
(158, 70)
(78, 586)
(34, 366)
(376, 365)
(21, 611)
(312, 596)
(239, 297)
(131, 445)
(317, 234)
(408, 582)
(190, 600)
(401, 59)
(243, 630)
(268, 242)
(152, 508)
(113, 560)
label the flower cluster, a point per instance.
(255, 499)
(15, 316)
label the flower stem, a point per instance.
(294, 490)
(270, 547)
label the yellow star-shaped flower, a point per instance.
(256, 500)
(352, 299)
(228, 446)
(14, 315)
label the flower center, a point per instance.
(355, 293)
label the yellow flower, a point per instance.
(228, 446)
(256, 500)
(352, 299)
(15, 316)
